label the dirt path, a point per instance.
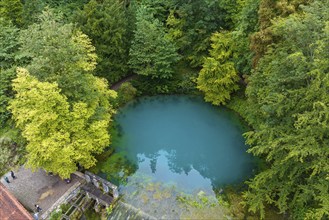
(117, 84)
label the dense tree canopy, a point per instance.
(8, 59)
(105, 22)
(59, 136)
(59, 53)
(53, 46)
(11, 10)
(61, 58)
(191, 24)
(270, 10)
(218, 77)
(152, 52)
(275, 51)
(289, 102)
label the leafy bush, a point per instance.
(56, 215)
(126, 93)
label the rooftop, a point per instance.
(10, 208)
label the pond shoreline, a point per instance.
(178, 102)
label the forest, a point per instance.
(267, 60)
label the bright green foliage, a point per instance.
(105, 22)
(58, 136)
(11, 10)
(152, 52)
(289, 105)
(218, 77)
(74, 124)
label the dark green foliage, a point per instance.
(8, 44)
(8, 156)
(152, 52)
(31, 10)
(6, 93)
(185, 80)
(59, 53)
(159, 8)
(191, 23)
(66, 7)
(105, 22)
(8, 58)
(153, 86)
(12, 149)
(246, 25)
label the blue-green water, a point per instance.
(179, 145)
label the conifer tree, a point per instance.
(152, 53)
(288, 106)
(218, 77)
(11, 10)
(106, 23)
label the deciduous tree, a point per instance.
(59, 53)
(59, 135)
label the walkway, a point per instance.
(37, 188)
(117, 84)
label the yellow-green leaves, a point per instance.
(58, 136)
(83, 43)
(218, 77)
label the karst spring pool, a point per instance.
(183, 151)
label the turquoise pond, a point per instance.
(180, 147)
